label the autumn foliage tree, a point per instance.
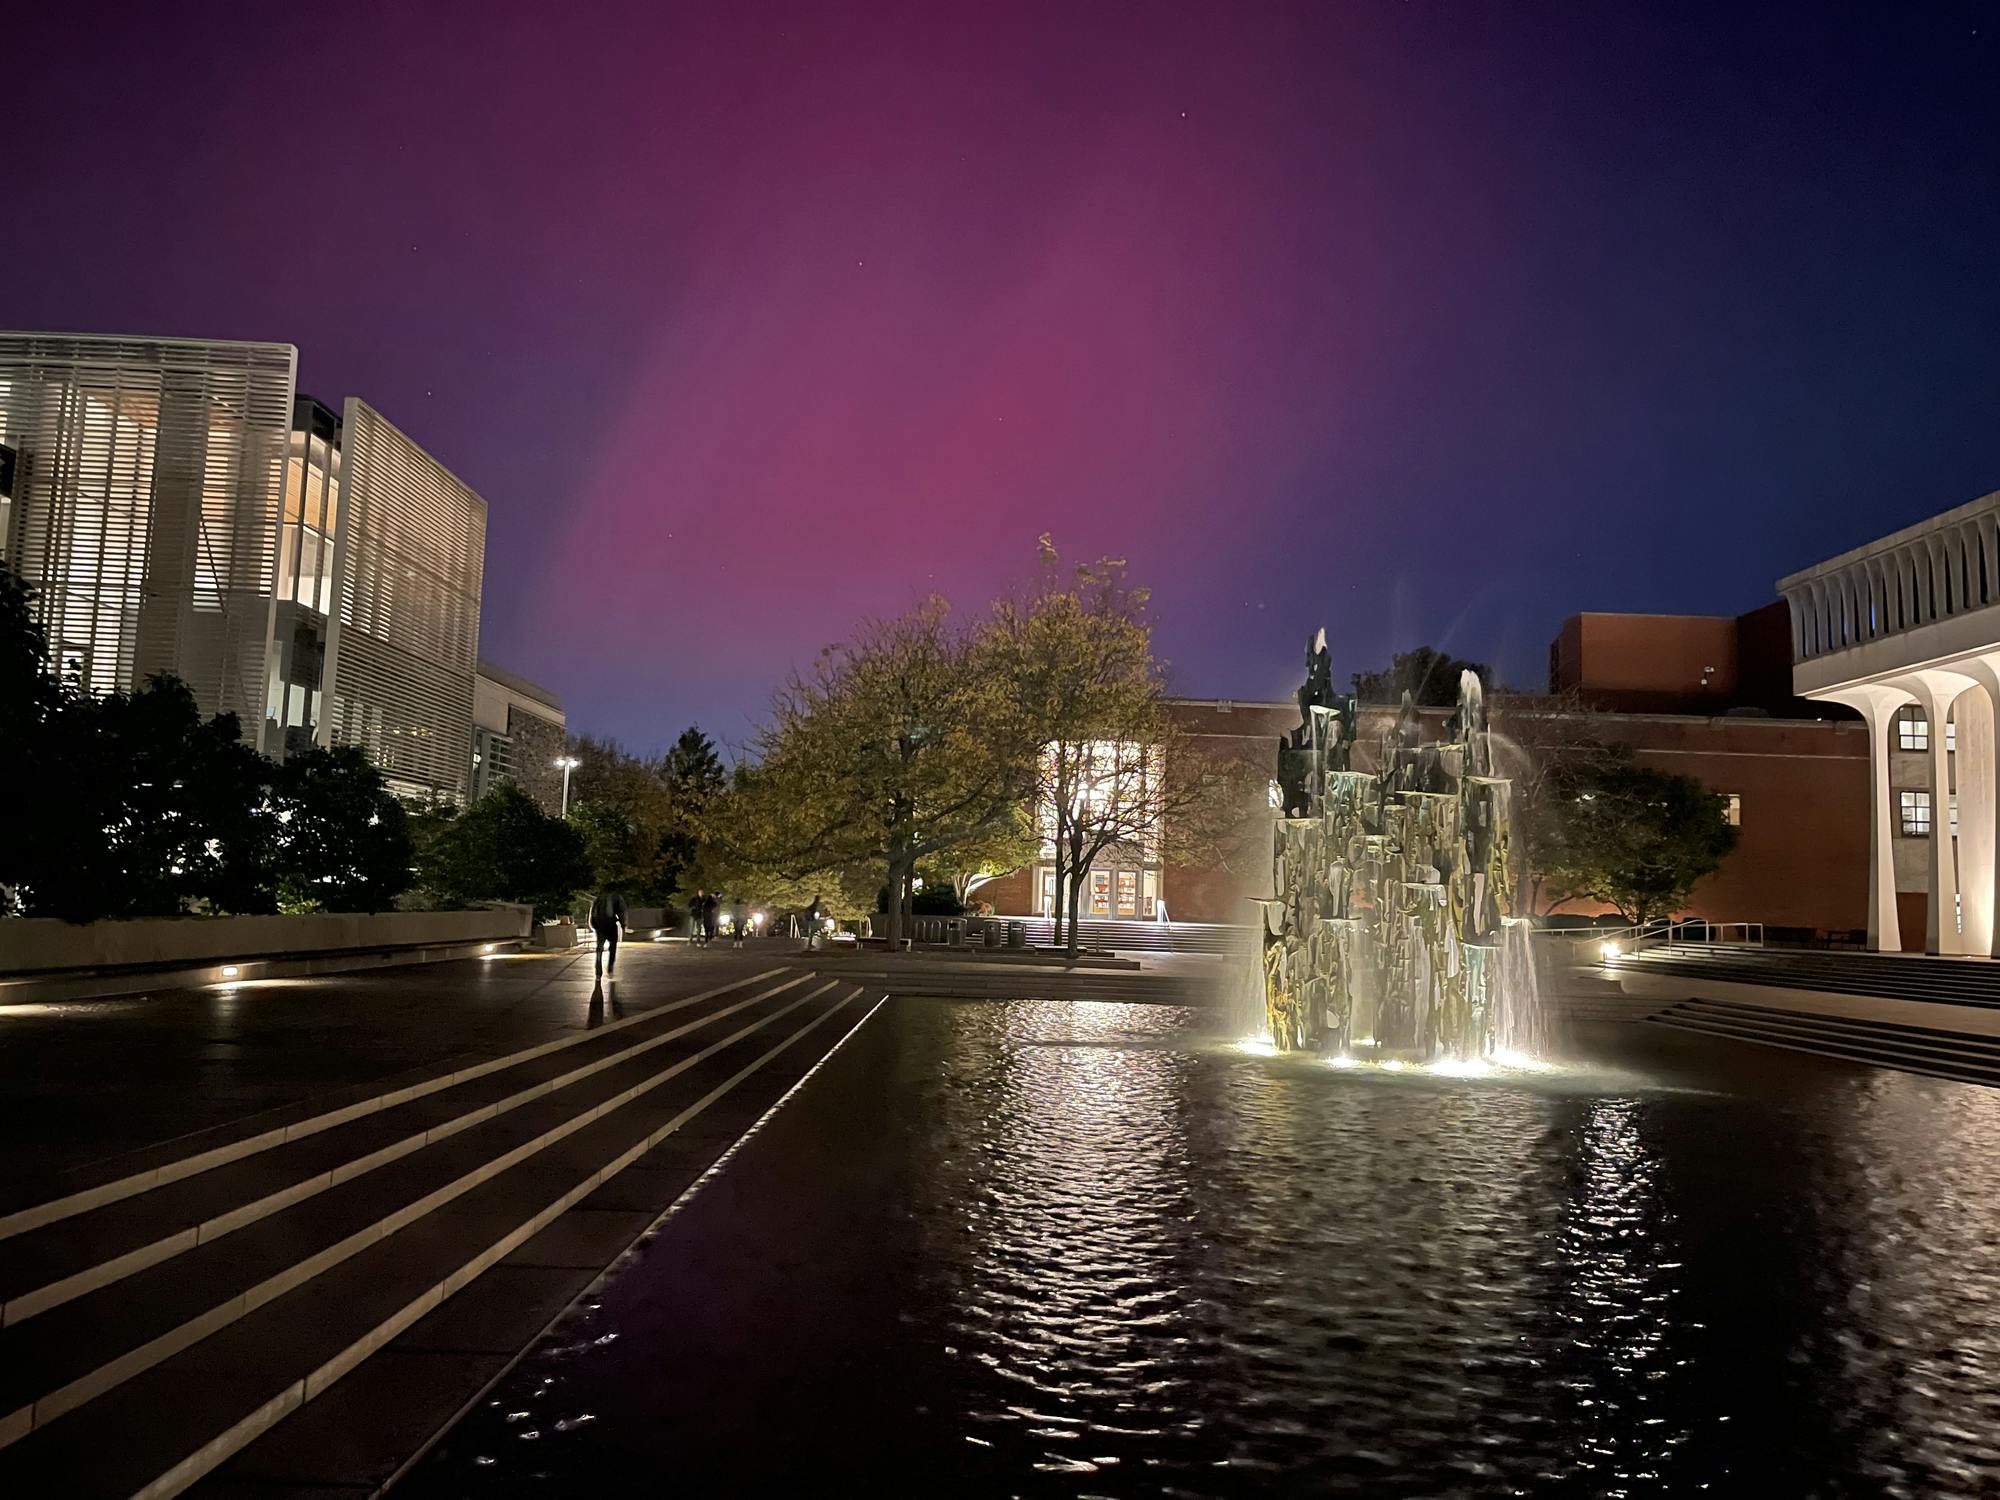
(896, 747)
(1113, 773)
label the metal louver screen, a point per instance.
(145, 515)
(404, 639)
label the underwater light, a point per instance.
(1461, 1067)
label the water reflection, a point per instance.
(1061, 1179)
(1053, 1249)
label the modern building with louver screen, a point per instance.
(145, 506)
(178, 508)
(403, 637)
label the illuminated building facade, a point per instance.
(179, 508)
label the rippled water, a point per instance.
(1052, 1249)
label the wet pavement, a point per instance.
(1036, 1248)
(82, 1083)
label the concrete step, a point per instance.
(161, 1430)
(1950, 981)
(65, 1258)
(62, 1361)
(111, 1181)
(1911, 1049)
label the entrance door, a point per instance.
(1128, 893)
(1100, 893)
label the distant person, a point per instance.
(711, 917)
(607, 920)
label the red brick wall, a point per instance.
(1801, 858)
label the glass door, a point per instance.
(1100, 893)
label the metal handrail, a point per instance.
(1676, 932)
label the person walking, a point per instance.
(607, 920)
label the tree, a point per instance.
(29, 695)
(898, 746)
(1428, 675)
(694, 771)
(625, 807)
(1111, 770)
(142, 808)
(1636, 839)
(1544, 747)
(695, 781)
(343, 840)
(505, 848)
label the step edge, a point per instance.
(316, 1382)
(87, 1387)
(80, 1283)
(50, 1210)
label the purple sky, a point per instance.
(1431, 321)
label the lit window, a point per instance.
(1913, 730)
(1954, 814)
(1916, 811)
(1732, 809)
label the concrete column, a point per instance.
(1935, 691)
(1978, 773)
(1878, 705)
(1977, 829)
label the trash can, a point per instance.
(1017, 934)
(992, 934)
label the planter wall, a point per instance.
(46, 945)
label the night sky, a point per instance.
(1430, 321)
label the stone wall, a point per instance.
(537, 743)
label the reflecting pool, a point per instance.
(1041, 1248)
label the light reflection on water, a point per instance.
(1086, 1249)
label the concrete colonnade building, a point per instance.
(1906, 630)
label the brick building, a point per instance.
(1703, 696)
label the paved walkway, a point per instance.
(86, 1085)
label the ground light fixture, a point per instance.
(230, 971)
(1611, 950)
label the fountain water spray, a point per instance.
(1386, 934)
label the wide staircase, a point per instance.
(154, 1325)
(1965, 1056)
(1889, 976)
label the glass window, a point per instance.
(1954, 814)
(1913, 730)
(1950, 735)
(1128, 893)
(1916, 813)
(1732, 809)
(1100, 893)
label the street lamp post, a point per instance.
(568, 763)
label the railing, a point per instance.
(1608, 944)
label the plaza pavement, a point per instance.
(269, 1239)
